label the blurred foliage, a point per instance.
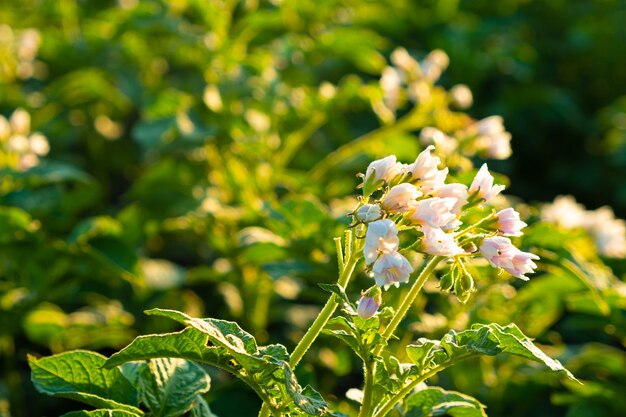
(182, 138)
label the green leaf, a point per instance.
(201, 409)
(169, 387)
(481, 339)
(79, 375)
(225, 345)
(101, 413)
(435, 401)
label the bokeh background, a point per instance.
(168, 123)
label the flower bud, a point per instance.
(461, 96)
(367, 307)
(446, 282)
(368, 213)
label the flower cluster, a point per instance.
(408, 78)
(20, 50)
(608, 232)
(416, 197)
(487, 138)
(21, 147)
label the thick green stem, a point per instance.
(321, 320)
(368, 389)
(427, 268)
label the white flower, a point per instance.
(454, 190)
(391, 269)
(401, 198)
(435, 212)
(443, 143)
(490, 126)
(379, 171)
(509, 223)
(483, 186)
(18, 144)
(20, 122)
(381, 237)
(425, 166)
(368, 213)
(431, 185)
(434, 64)
(39, 144)
(461, 96)
(564, 211)
(439, 243)
(501, 253)
(391, 82)
(608, 232)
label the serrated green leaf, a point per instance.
(435, 401)
(79, 375)
(101, 413)
(481, 339)
(225, 345)
(170, 386)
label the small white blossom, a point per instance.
(509, 223)
(454, 190)
(425, 166)
(381, 237)
(379, 171)
(391, 269)
(501, 253)
(368, 213)
(401, 198)
(434, 212)
(483, 185)
(436, 242)
(461, 96)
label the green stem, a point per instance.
(391, 402)
(321, 320)
(427, 268)
(350, 260)
(368, 389)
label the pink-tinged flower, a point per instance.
(434, 212)
(401, 198)
(425, 166)
(431, 185)
(501, 253)
(439, 243)
(391, 269)
(454, 190)
(509, 223)
(499, 146)
(368, 213)
(379, 171)
(367, 307)
(498, 251)
(483, 186)
(381, 237)
(522, 264)
(490, 126)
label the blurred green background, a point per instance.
(181, 133)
